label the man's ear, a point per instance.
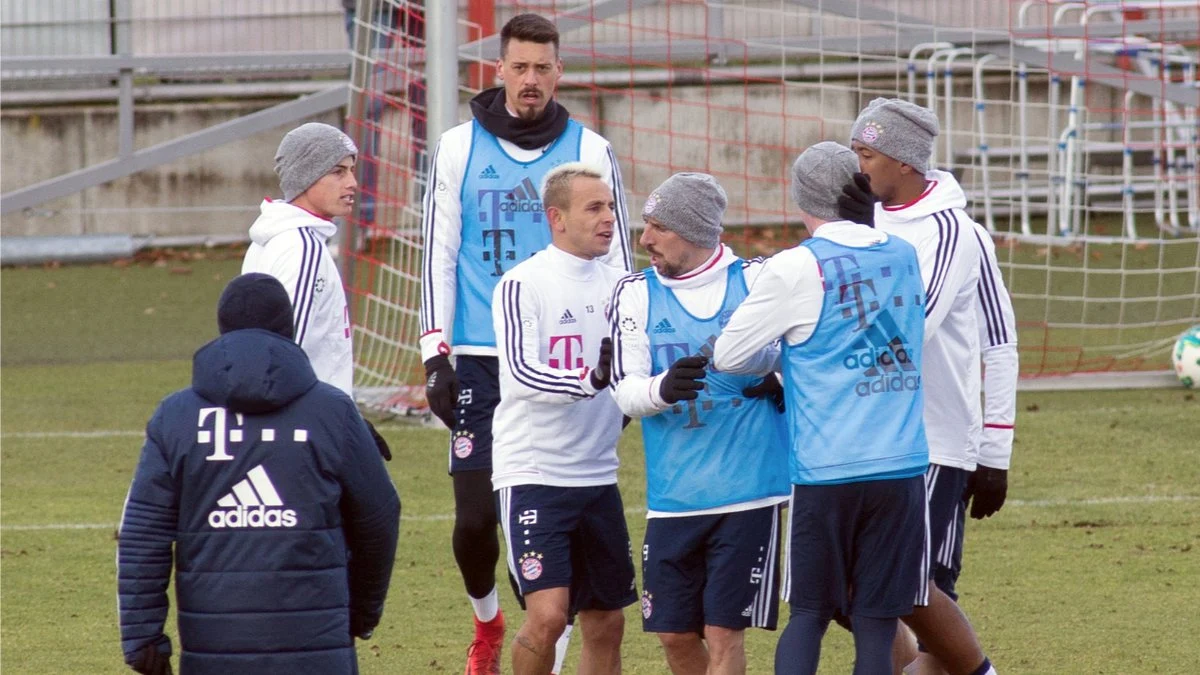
(555, 217)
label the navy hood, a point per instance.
(251, 371)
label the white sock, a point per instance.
(486, 607)
(560, 649)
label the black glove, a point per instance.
(150, 661)
(857, 202)
(359, 628)
(682, 382)
(380, 442)
(602, 373)
(986, 488)
(769, 388)
(441, 388)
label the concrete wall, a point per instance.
(216, 192)
(655, 131)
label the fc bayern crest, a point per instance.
(531, 566)
(871, 132)
(464, 445)
(647, 605)
(651, 202)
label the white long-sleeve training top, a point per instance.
(288, 243)
(948, 252)
(552, 427)
(442, 227)
(998, 343)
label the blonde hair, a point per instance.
(556, 186)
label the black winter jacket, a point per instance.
(283, 518)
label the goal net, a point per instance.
(1071, 126)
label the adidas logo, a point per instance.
(749, 610)
(524, 198)
(664, 326)
(489, 173)
(246, 505)
(567, 317)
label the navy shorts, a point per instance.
(478, 396)
(858, 548)
(947, 513)
(715, 570)
(569, 537)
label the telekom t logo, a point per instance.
(221, 436)
(851, 287)
(572, 351)
(499, 252)
(670, 352)
(217, 435)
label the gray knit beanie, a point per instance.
(307, 153)
(690, 205)
(901, 130)
(818, 175)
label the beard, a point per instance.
(527, 110)
(667, 269)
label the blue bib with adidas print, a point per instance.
(854, 398)
(502, 223)
(721, 448)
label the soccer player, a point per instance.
(893, 140)
(315, 163)
(715, 443)
(269, 487)
(483, 215)
(555, 444)
(849, 306)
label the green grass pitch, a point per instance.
(1092, 567)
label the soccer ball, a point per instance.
(1187, 357)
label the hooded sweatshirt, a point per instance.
(949, 256)
(289, 243)
(283, 518)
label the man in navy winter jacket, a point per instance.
(283, 518)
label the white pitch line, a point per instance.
(58, 526)
(1144, 499)
(70, 434)
(633, 511)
